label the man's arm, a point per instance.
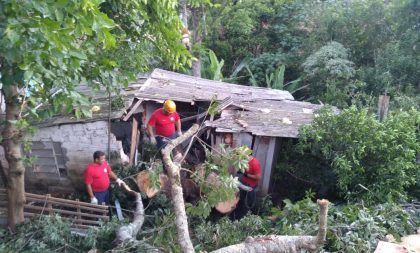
(113, 176)
(256, 176)
(151, 134)
(150, 131)
(178, 127)
(89, 190)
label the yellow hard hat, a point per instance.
(169, 106)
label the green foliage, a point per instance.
(373, 161)
(49, 234)
(224, 187)
(47, 46)
(328, 71)
(276, 79)
(266, 64)
(214, 235)
(212, 67)
(351, 228)
(379, 51)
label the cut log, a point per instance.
(224, 207)
(228, 206)
(143, 182)
(408, 244)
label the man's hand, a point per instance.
(94, 201)
(179, 133)
(152, 140)
(119, 182)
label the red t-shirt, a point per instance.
(98, 176)
(254, 168)
(164, 124)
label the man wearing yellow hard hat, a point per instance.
(164, 124)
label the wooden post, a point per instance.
(49, 205)
(383, 104)
(79, 216)
(133, 148)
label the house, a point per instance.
(253, 116)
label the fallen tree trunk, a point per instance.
(283, 244)
(177, 197)
(129, 232)
(262, 244)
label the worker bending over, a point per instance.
(247, 198)
(164, 125)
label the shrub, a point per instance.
(374, 161)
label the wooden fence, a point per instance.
(81, 214)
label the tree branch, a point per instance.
(276, 243)
(129, 232)
(177, 198)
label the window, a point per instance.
(49, 159)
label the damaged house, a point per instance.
(258, 117)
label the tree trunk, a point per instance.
(177, 198)
(183, 12)
(283, 244)
(196, 67)
(197, 39)
(12, 139)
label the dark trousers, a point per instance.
(102, 197)
(162, 141)
(246, 202)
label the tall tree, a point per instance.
(50, 47)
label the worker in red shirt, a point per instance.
(97, 176)
(164, 124)
(250, 178)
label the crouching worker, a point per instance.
(164, 125)
(97, 176)
(248, 196)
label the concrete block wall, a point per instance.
(79, 141)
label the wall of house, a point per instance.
(78, 142)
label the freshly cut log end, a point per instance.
(145, 186)
(227, 207)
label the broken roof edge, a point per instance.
(228, 130)
(166, 75)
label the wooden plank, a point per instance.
(266, 177)
(133, 109)
(64, 201)
(55, 160)
(48, 209)
(98, 210)
(60, 211)
(260, 152)
(76, 221)
(79, 216)
(133, 147)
